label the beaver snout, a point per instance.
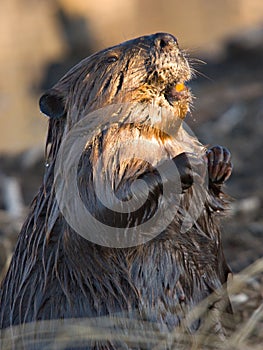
(164, 41)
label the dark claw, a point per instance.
(219, 164)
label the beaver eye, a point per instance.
(112, 59)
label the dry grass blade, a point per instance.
(139, 333)
(239, 337)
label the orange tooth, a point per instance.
(179, 87)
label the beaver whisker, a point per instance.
(197, 73)
(194, 60)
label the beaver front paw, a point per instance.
(219, 164)
(191, 169)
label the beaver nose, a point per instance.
(163, 40)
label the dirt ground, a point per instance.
(228, 111)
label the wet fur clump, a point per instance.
(55, 273)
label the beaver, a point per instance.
(133, 98)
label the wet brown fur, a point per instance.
(57, 274)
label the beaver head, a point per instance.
(148, 69)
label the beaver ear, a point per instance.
(52, 104)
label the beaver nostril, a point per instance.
(163, 40)
(163, 43)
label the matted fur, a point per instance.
(57, 274)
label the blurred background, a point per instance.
(41, 39)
